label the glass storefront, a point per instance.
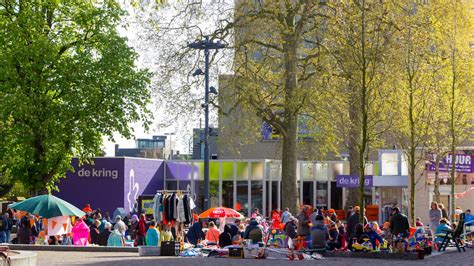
(244, 185)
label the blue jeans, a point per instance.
(8, 233)
(3, 237)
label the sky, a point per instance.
(182, 128)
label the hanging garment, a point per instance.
(171, 207)
(165, 209)
(175, 207)
(187, 211)
(180, 207)
(156, 208)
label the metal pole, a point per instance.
(206, 128)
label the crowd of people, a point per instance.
(312, 228)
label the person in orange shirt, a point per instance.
(212, 235)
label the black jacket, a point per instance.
(352, 222)
(94, 232)
(399, 225)
(290, 230)
(104, 237)
(225, 239)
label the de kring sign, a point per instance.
(463, 163)
(352, 181)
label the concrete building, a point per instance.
(145, 148)
(198, 144)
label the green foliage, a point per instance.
(66, 80)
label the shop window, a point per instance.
(242, 197)
(274, 171)
(321, 171)
(257, 170)
(336, 169)
(257, 195)
(389, 163)
(308, 189)
(308, 170)
(242, 170)
(228, 194)
(227, 170)
(322, 194)
(336, 196)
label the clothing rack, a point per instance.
(174, 191)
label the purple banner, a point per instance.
(110, 183)
(463, 163)
(351, 181)
(99, 184)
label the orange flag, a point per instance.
(54, 223)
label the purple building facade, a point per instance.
(111, 182)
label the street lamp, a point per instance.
(171, 144)
(206, 45)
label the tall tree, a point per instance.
(66, 80)
(417, 79)
(456, 33)
(280, 74)
(360, 37)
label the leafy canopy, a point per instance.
(66, 80)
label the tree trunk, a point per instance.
(352, 193)
(437, 195)
(412, 184)
(411, 155)
(290, 195)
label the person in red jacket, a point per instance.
(141, 233)
(276, 224)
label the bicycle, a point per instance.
(4, 257)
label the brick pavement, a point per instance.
(126, 259)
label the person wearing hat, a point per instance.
(120, 225)
(399, 223)
(353, 221)
(332, 215)
(133, 228)
(333, 241)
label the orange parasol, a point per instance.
(221, 212)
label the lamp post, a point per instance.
(206, 45)
(171, 144)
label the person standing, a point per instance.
(285, 216)
(349, 212)
(353, 221)
(399, 223)
(94, 232)
(133, 228)
(303, 222)
(434, 216)
(443, 211)
(141, 233)
(120, 225)
(255, 213)
(3, 229)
